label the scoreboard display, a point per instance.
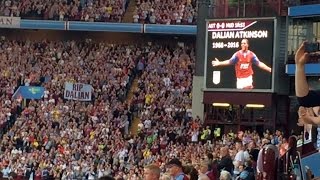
(240, 55)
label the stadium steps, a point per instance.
(134, 126)
(128, 16)
(136, 120)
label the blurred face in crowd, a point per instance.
(203, 168)
(238, 146)
(149, 175)
(224, 151)
(241, 168)
(232, 153)
(251, 145)
(265, 141)
(174, 170)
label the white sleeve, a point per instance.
(239, 157)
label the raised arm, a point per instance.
(301, 84)
(306, 97)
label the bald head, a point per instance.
(225, 175)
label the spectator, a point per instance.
(253, 152)
(204, 170)
(226, 161)
(246, 172)
(267, 158)
(239, 158)
(225, 175)
(191, 172)
(151, 172)
(175, 170)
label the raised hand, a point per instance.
(301, 56)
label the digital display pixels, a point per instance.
(240, 54)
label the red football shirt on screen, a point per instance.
(243, 61)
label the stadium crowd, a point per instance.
(56, 138)
(154, 11)
(53, 134)
(72, 10)
(165, 12)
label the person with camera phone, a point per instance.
(306, 97)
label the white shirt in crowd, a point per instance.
(100, 173)
(46, 94)
(91, 176)
(238, 160)
(27, 82)
(240, 156)
(246, 155)
(195, 136)
(147, 124)
(166, 81)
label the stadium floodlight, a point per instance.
(255, 106)
(221, 104)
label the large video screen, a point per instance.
(240, 55)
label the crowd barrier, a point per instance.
(15, 22)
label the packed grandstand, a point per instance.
(53, 137)
(139, 111)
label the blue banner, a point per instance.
(29, 92)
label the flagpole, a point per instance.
(15, 93)
(24, 103)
